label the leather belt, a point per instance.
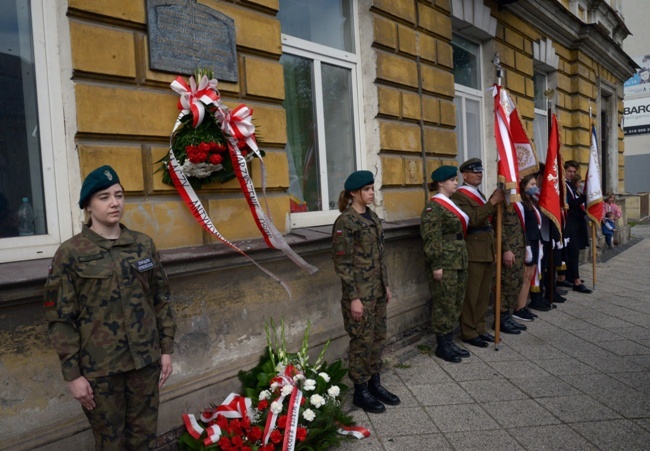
(472, 230)
(453, 236)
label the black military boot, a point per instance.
(363, 399)
(537, 302)
(379, 392)
(507, 325)
(444, 351)
(460, 352)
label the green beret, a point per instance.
(359, 179)
(99, 179)
(472, 165)
(444, 173)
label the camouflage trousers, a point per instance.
(367, 338)
(447, 296)
(126, 413)
(511, 281)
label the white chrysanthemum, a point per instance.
(265, 394)
(280, 367)
(286, 390)
(317, 401)
(334, 391)
(309, 385)
(325, 376)
(299, 377)
(276, 407)
(199, 170)
(274, 385)
(309, 415)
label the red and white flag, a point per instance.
(593, 189)
(508, 168)
(551, 198)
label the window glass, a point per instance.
(539, 81)
(467, 68)
(326, 22)
(540, 128)
(20, 151)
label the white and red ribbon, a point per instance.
(358, 432)
(194, 98)
(472, 193)
(449, 204)
(507, 167)
(233, 407)
(192, 426)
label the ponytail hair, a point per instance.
(433, 186)
(345, 199)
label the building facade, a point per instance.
(399, 87)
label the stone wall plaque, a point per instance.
(185, 36)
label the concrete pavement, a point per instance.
(578, 379)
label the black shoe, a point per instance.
(564, 283)
(476, 341)
(460, 352)
(364, 400)
(581, 289)
(559, 299)
(561, 291)
(508, 326)
(444, 351)
(528, 312)
(523, 315)
(541, 305)
(518, 325)
(375, 388)
(487, 337)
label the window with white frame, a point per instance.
(321, 86)
(32, 128)
(469, 98)
(540, 124)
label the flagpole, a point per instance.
(497, 300)
(551, 266)
(591, 223)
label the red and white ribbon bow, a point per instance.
(234, 406)
(194, 98)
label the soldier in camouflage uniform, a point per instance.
(513, 250)
(446, 262)
(359, 260)
(110, 320)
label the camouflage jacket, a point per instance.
(358, 253)
(442, 233)
(512, 234)
(107, 304)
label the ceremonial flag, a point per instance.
(551, 199)
(507, 170)
(593, 190)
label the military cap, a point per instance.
(99, 179)
(472, 165)
(359, 179)
(444, 173)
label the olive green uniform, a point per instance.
(444, 248)
(107, 304)
(480, 268)
(359, 260)
(512, 239)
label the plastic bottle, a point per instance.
(25, 218)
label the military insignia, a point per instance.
(108, 174)
(145, 264)
(49, 300)
(49, 270)
(429, 209)
(339, 232)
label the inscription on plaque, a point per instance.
(185, 36)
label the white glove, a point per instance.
(541, 253)
(529, 254)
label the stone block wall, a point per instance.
(125, 113)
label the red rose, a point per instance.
(255, 434)
(282, 421)
(276, 436)
(301, 434)
(215, 159)
(204, 147)
(262, 405)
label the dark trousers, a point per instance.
(126, 413)
(572, 256)
(477, 298)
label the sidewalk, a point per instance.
(577, 379)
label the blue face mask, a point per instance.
(532, 191)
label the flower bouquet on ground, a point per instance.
(287, 404)
(199, 142)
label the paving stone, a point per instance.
(485, 441)
(572, 409)
(551, 438)
(565, 366)
(402, 421)
(463, 417)
(440, 394)
(614, 435)
(519, 413)
(417, 442)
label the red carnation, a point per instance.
(244, 153)
(237, 441)
(222, 422)
(276, 436)
(246, 448)
(224, 443)
(204, 147)
(242, 144)
(301, 434)
(282, 421)
(255, 434)
(302, 401)
(268, 447)
(215, 159)
(262, 405)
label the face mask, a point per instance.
(532, 191)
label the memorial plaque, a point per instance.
(185, 36)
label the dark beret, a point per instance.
(99, 179)
(359, 179)
(444, 173)
(472, 165)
